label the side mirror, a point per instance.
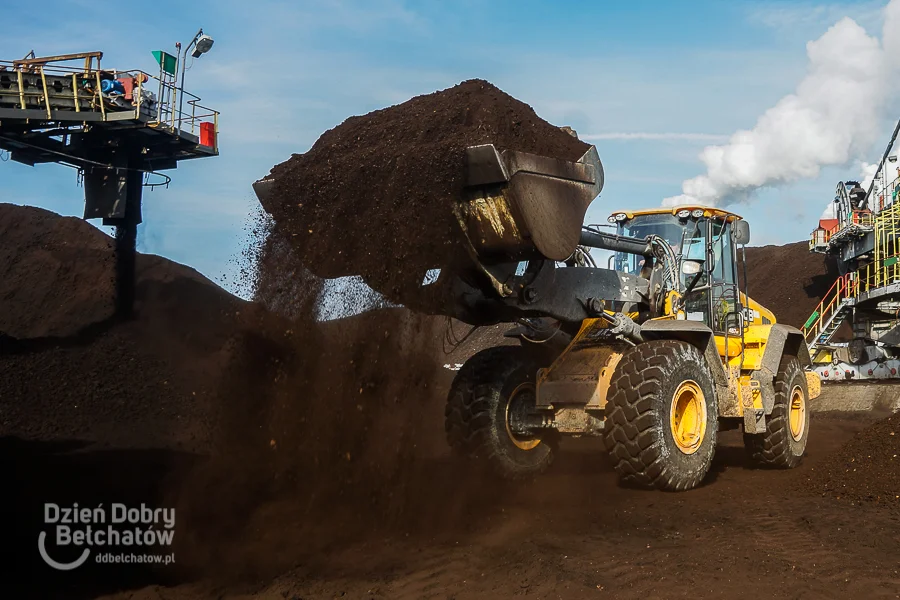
(741, 232)
(691, 267)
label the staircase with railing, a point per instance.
(832, 311)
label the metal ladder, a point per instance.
(832, 324)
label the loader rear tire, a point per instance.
(787, 428)
(475, 418)
(662, 416)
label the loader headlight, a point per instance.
(691, 267)
(611, 219)
(698, 212)
(684, 214)
(621, 217)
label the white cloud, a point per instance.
(804, 16)
(687, 137)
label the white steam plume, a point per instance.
(867, 174)
(833, 117)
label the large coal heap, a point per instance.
(789, 280)
(372, 197)
(259, 405)
(73, 370)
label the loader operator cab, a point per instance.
(705, 243)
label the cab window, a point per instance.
(666, 226)
(696, 303)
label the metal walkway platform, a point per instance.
(52, 113)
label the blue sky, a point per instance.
(682, 75)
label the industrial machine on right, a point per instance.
(854, 333)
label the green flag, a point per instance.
(166, 61)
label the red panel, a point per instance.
(208, 135)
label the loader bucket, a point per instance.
(519, 206)
(264, 188)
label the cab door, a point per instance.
(725, 308)
(694, 251)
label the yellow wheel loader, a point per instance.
(656, 351)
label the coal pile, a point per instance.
(93, 407)
(326, 425)
(77, 274)
(866, 469)
(789, 280)
(74, 371)
(373, 196)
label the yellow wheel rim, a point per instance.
(688, 417)
(798, 413)
(521, 443)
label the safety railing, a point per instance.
(887, 197)
(55, 89)
(860, 220)
(843, 288)
(885, 266)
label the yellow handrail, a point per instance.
(171, 114)
(100, 97)
(46, 93)
(21, 91)
(75, 92)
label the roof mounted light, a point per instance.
(621, 217)
(611, 219)
(698, 212)
(684, 213)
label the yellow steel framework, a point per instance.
(881, 271)
(884, 269)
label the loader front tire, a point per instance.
(487, 387)
(787, 428)
(662, 416)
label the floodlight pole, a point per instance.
(183, 59)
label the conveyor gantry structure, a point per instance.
(114, 126)
(854, 333)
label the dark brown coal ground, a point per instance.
(866, 469)
(789, 280)
(373, 196)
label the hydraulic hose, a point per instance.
(616, 243)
